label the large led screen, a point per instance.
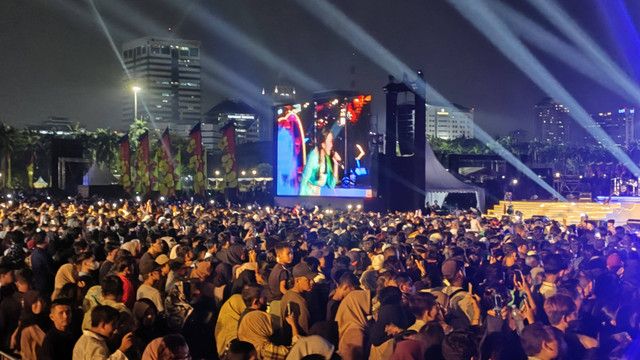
(322, 148)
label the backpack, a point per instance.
(454, 315)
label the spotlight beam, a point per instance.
(104, 28)
(235, 37)
(624, 31)
(561, 20)
(496, 31)
(337, 21)
(552, 45)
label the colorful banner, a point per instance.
(142, 164)
(30, 170)
(196, 161)
(166, 176)
(228, 146)
(155, 175)
(124, 158)
(177, 166)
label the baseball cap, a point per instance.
(162, 259)
(303, 270)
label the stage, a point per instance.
(619, 208)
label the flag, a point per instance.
(30, 170)
(205, 169)
(125, 166)
(196, 162)
(166, 176)
(157, 154)
(142, 164)
(228, 146)
(177, 168)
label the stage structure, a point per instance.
(410, 174)
(324, 152)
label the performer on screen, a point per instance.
(321, 168)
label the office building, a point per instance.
(167, 73)
(619, 124)
(245, 119)
(552, 122)
(449, 122)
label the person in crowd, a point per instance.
(148, 258)
(109, 294)
(92, 345)
(255, 326)
(111, 248)
(149, 288)
(293, 301)
(170, 347)
(227, 323)
(42, 264)
(82, 263)
(269, 283)
(539, 342)
(59, 341)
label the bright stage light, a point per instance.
(342, 25)
(494, 29)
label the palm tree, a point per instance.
(136, 129)
(105, 143)
(7, 145)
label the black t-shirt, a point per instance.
(58, 345)
(278, 274)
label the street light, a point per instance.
(243, 173)
(217, 172)
(254, 172)
(135, 101)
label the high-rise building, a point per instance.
(552, 121)
(282, 94)
(245, 119)
(449, 122)
(619, 125)
(167, 73)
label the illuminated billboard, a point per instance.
(322, 148)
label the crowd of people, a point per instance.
(94, 280)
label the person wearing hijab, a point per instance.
(145, 315)
(353, 325)
(34, 325)
(255, 326)
(311, 345)
(227, 323)
(169, 347)
(133, 246)
(198, 280)
(69, 273)
(244, 278)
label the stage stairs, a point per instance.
(572, 211)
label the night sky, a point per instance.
(56, 61)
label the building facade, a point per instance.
(245, 119)
(449, 122)
(552, 122)
(167, 75)
(619, 125)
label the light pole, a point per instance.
(135, 102)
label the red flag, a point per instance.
(228, 147)
(167, 177)
(142, 164)
(196, 159)
(125, 166)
